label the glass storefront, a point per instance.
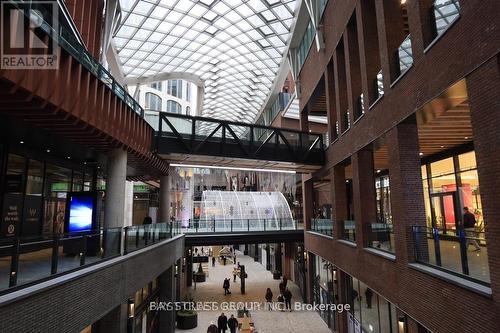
(451, 184)
(35, 191)
(146, 320)
(324, 288)
(370, 311)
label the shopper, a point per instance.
(235, 273)
(282, 287)
(469, 225)
(222, 323)
(212, 328)
(269, 298)
(224, 260)
(226, 285)
(369, 296)
(213, 261)
(147, 220)
(232, 323)
(281, 302)
(288, 299)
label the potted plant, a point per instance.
(187, 317)
(200, 275)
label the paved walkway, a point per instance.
(256, 284)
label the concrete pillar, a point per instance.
(307, 202)
(309, 276)
(164, 209)
(407, 195)
(114, 321)
(129, 204)
(114, 210)
(166, 284)
(364, 194)
(483, 87)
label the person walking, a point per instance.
(226, 285)
(235, 273)
(282, 287)
(469, 225)
(269, 298)
(369, 296)
(224, 260)
(288, 299)
(281, 302)
(212, 328)
(232, 323)
(222, 323)
(213, 261)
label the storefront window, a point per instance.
(34, 182)
(369, 309)
(57, 184)
(383, 192)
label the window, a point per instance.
(156, 85)
(153, 102)
(188, 91)
(445, 13)
(174, 107)
(174, 88)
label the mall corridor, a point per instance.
(256, 284)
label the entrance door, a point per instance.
(445, 216)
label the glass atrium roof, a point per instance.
(234, 46)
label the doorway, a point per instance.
(445, 212)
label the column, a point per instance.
(114, 210)
(341, 298)
(304, 119)
(287, 261)
(483, 86)
(339, 199)
(407, 195)
(331, 109)
(164, 209)
(309, 277)
(166, 283)
(114, 321)
(307, 202)
(364, 194)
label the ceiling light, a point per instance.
(403, 2)
(21, 142)
(466, 138)
(378, 171)
(230, 168)
(442, 146)
(68, 157)
(421, 154)
(48, 150)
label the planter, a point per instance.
(199, 277)
(276, 275)
(187, 320)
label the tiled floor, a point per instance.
(256, 284)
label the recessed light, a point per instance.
(421, 154)
(378, 171)
(48, 150)
(68, 157)
(466, 138)
(442, 146)
(21, 142)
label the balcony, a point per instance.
(348, 231)
(381, 237)
(322, 226)
(453, 253)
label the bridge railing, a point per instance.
(208, 136)
(236, 225)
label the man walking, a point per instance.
(222, 323)
(226, 285)
(469, 225)
(288, 299)
(232, 323)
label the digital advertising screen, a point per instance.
(80, 212)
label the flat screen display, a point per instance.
(81, 209)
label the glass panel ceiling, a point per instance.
(234, 46)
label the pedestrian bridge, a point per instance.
(198, 140)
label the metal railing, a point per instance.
(207, 136)
(453, 253)
(322, 226)
(348, 231)
(68, 41)
(28, 260)
(381, 236)
(236, 225)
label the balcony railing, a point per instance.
(28, 260)
(322, 226)
(462, 254)
(236, 225)
(381, 236)
(67, 40)
(348, 231)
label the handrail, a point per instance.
(70, 44)
(43, 253)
